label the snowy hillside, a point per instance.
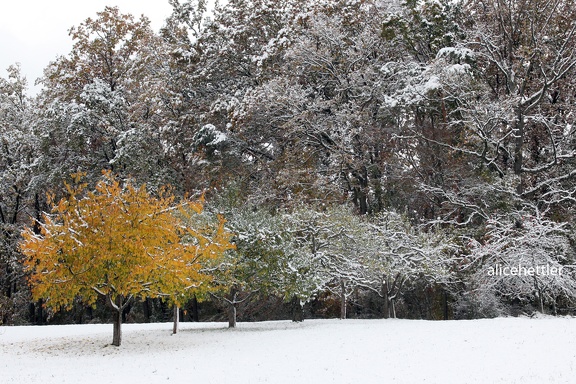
(507, 350)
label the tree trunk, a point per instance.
(445, 305)
(342, 299)
(541, 304)
(297, 310)
(386, 298)
(147, 309)
(117, 334)
(176, 319)
(541, 300)
(194, 310)
(38, 313)
(118, 307)
(232, 307)
(540, 295)
(518, 151)
(232, 315)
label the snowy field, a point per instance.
(511, 350)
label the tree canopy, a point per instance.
(374, 155)
(120, 242)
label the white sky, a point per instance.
(34, 32)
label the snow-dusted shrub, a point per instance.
(524, 259)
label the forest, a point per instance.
(300, 159)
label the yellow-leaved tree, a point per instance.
(121, 242)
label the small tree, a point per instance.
(119, 242)
(269, 259)
(255, 267)
(331, 243)
(208, 231)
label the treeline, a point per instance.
(371, 158)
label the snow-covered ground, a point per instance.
(510, 350)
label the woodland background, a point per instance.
(372, 158)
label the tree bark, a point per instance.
(297, 310)
(445, 305)
(386, 298)
(147, 309)
(118, 307)
(176, 319)
(232, 307)
(232, 315)
(342, 299)
(540, 295)
(117, 333)
(194, 310)
(126, 310)
(518, 151)
(39, 314)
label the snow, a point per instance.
(432, 84)
(504, 350)
(458, 53)
(459, 68)
(211, 135)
